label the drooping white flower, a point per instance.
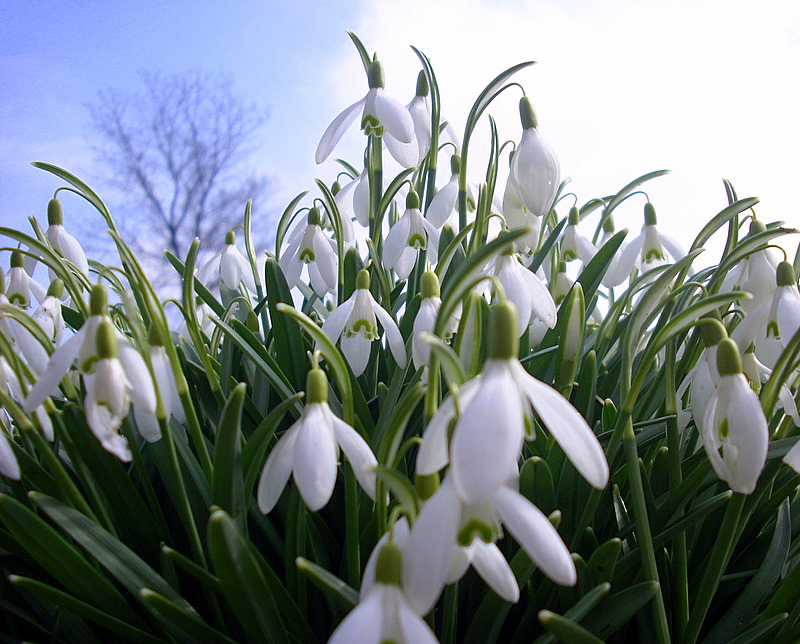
(384, 613)
(108, 395)
(574, 245)
(10, 383)
(61, 241)
(309, 248)
(425, 320)
(353, 200)
(703, 379)
(380, 114)
(450, 534)
(9, 465)
(411, 234)
(228, 266)
(535, 171)
(734, 430)
(758, 373)
(792, 458)
(648, 250)
(525, 289)
(443, 204)
(490, 419)
(356, 322)
(48, 315)
(309, 452)
(20, 286)
(755, 273)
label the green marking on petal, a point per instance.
(724, 429)
(417, 241)
(307, 255)
(474, 528)
(653, 255)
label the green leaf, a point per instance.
(536, 483)
(287, 341)
(63, 561)
(54, 597)
(180, 621)
(603, 561)
(614, 611)
(763, 632)
(342, 593)
(243, 585)
(400, 486)
(228, 485)
(566, 630)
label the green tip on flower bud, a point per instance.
(422, 84)
(526, 114)
(98, 300)
(503, 332)
(455, 164)
(335, 188)
(375, 74)
(412, 200)
(154, 336)
(2, 283)
(729, 361)
(712, 332)
(252, 321)
(429, 285)
(56, 289)
(362, 279)
(756, 226)
(314, 218)
(562, 267)
(608, 224)
(230, 238)
(574, 216)
(426, 485)
(55, 213)
(650, 218)
(316, 386)
(106, 341)
(17, 259)
(785, 275)
(389, 567)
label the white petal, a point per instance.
(396, 242)
(315, 457)
(488, 437)
(57, 367)
(406, 154)
(364, 623)
(674, 248)
(393, 335)
(136, 371)
(537, 536)
(394, 117)
(792, 458)
(68, 246)
(277, 470)
(356, 349)
(414, 629)
(358, 452)
(147, 424)
(495, 571)
(443, 203)
(535, 172)
(399, 533)
(9, 466)
(325, 260)
(336, 130)
(626, 260)
(336, 320)
(430, 547)
(569, 429)
(361, 200)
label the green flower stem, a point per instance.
(450, 614)
(644, 535)
(352, 528)
(375, 177)
(717, 562)
(679, 552)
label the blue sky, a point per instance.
(707, 88)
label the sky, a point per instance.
(708, 89)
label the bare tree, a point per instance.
(178, 155)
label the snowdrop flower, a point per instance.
(755, 273)
(309, 452)
(574, 245)
(19, 285)
(384, 613)
(353, 200)
(61, 241)
(516, 215)
(23, 340)
(82, 349)
(443, 204)
(792, 458)
(10, 383)
(525, 289)
(535, 171)
(451, 534)
(356, 322)
(310, 248)
(420, 110)
(228, 266)
(48, 315)
(9, 466)
(108, 394)
(426, 319)
(734, 430)
(380, 114)
(411, 234)
(649, 250)
(493, 410)
(758, 373)
(704, 377)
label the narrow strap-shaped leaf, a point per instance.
(341, 592)
(180, 621)
(566, 630)
(228, 485)
(614, 611)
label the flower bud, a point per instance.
(389, 567)
(527, 114)
(55, 213)
(106, 341)
(503, 331)
(375, 74)
(316, 386)
(429, 285)
(98, 300)
(729, 361)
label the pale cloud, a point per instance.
(704, 88)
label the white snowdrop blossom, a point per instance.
(384, 612)
(535, 171)
(525, 289)
(309, 452)
(758, 373)
(754, 274)
(20, 285)
(61, 241)
(411, 234)
(574, 245)
(48, 315)
(792, 458)
(310, 248)
(443, 204)
(355, 321)
(651, 248)
(516, 216)
(11, 384)
(353, 200)
(425, 321)
(450, 534)
(9, 465)
(703, 379)
(228, 266)
(490, 424)
(734, 430)
(380, 114)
